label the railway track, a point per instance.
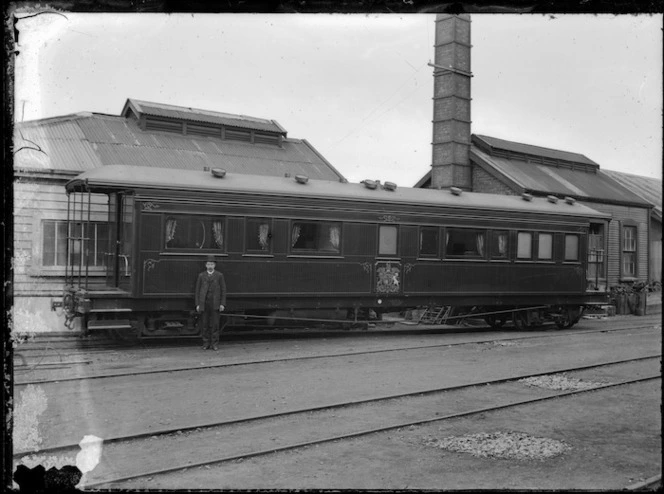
(93, 345)
(64, 448)
(297, 417)
(109, 375)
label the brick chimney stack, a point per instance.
(451, 103)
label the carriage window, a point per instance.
(524, 245)
(316, 236)
(429, 241)
(194, 232)
(259, 235)
(460, 242)
(499, 245)
(387, 240)
(571, 247)
(545, 246)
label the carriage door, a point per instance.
(388, 263)
(121, 209)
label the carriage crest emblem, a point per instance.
(388, 277)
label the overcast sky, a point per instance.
(358, 87)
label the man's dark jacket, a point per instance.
(216, 284)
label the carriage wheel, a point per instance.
(494, 321)
(520, 319)
(564, 321)
(568, 318)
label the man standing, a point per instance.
(210, 301)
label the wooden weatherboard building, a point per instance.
(49, 152)
(650, 190)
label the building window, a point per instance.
(429, 241)
(499, 245)
(461, 242)
(387, 240)
(259, 235)
(93, 240)
(319, 236)
(524, 245)
(596, 251)
(194, 232)
(545, 246)
(571, 247)
(629, 252)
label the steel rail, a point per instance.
(171, 430)
(157, 342)
(306, 357)
(647, 484)
(365, 432)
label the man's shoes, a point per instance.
(206, 347)
(215, 348)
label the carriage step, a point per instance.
(109, 324)
(110, 311)
(435, 315)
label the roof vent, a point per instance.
(456, 191)
(390, 186)
(218, 172)
(552, 199)
(526, 197)
(570, 200)
(301, 179)
(369, 184)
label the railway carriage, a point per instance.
(293, 244)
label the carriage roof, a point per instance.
(125, 177)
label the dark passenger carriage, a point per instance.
(297, 244)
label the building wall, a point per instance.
(621, 215)
(486, 183)
(35, 285)
(655, 250)
(625, 215)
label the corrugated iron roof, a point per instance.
(547, 179)
(85, 141)
(171, 179)
(523, 174)
(196, 115)
(648, 188)
(494, 143)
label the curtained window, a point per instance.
(193, 232)
(465, 243)
(259, 235)
(499, 245)
(316, 236)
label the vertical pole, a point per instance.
(87, 241)
(67, 280)
(72, 238)
(596, 256)
(80, 245)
